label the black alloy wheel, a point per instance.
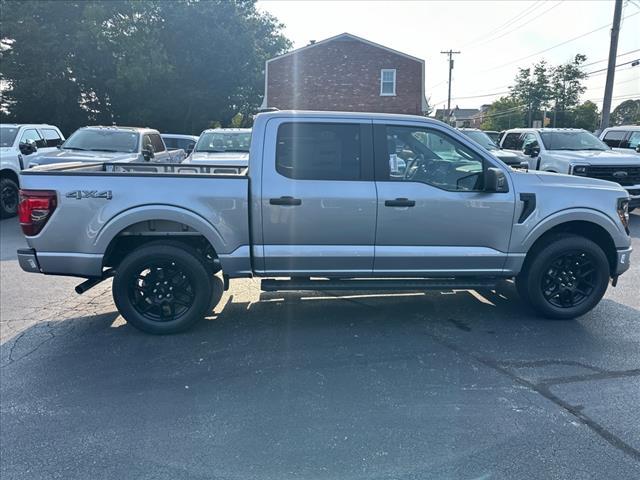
(570, 279)
(9, 198)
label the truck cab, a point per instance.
(19, 143)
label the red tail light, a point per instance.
(36, 207)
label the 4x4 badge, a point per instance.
(80, 194)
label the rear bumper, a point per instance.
(84, 265)
(623, 260)
(28, 261)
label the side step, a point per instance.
(269, 285)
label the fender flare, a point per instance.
(574, 215)
(158, 212)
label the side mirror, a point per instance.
(495, 180)
(28, 147)
(532, 150)
(638, 148)
(147, 154)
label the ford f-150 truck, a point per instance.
(576, 152)
(110, 144)
(326, 204)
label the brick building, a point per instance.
(346, 73)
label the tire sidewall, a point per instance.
(541, 263)
(189, 264)
(8, 183)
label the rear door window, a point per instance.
(614, 138)
(319, 151)
(512, 141)
(52, 137)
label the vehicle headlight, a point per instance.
(579, 170)
(623, 212)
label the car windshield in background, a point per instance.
(481, 138)
(572, 141)
(102, 141)
(7, 136)
(224, 142)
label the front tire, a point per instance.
(565, 278)
(9, 197)
(161, 288)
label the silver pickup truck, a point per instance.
(327, 204)
(110, 144)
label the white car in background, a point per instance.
(624, 138)
(18, 142)
(228, 147)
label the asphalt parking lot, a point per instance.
(301, 386)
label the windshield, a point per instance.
(102, 141)
(224, 142)
(7, 136)
(481, 138)
(571, 140)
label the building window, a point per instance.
(387, 82)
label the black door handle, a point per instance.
(400, 202)
(285, 201)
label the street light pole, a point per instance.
(611, 67)
(450, 53)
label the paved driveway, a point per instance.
(302, 386)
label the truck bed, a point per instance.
(97, 202)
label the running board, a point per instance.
(378, 284)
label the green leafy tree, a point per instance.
(566, 88)
(627, 113)
(532, 90)
(175, 66)
(502, 114)
(585, 116)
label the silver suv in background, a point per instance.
(625, 138)
(576, 152)
(18, 143)
(180, 141)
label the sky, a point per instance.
(494, 37)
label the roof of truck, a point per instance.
(354, 115)
(118, 127)
(228, 130)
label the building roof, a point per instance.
(459, 113)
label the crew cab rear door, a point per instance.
(433, 215)
(318, 196)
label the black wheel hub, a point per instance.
(569, 280)
(162, 292)
(9, 198)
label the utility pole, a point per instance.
(611, 67)
(450, 53)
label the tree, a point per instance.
(502, 114)
(566, 88)
(627, 113)
(531, 89)
(585, 116)
(176, 66)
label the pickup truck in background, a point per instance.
(110, 144)
(485, 141)
(17, 143)
(624, 138)
(326, 204)
(576, 152)
(222, 146)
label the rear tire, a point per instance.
(565, 278)
(9, 197)
(162, 288)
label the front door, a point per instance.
(433, 216)
(318, 198)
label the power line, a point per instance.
(519, 26)
(554, 46)
(515, 18)
(617, 66)
(605, 59)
